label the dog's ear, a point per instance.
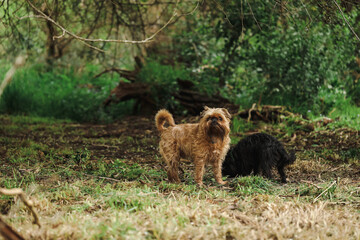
(226, 112)
(202, 114)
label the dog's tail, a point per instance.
(163, 116)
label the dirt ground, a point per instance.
(77, 172)
(323, 154)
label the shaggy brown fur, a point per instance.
(206, 142)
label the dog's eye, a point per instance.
(208, 119)
(220, 118)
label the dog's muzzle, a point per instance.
(214, 121)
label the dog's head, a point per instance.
(216, 123)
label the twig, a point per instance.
(8, 233)
(20, 60)
(107, 178)
(324, 191)
(251, 109)
(84, 40)
(252, 13)
(311, 183)
(144, 183)
(242, 21)
(342, 13)
(223, 11)
(192, 11)
(307, 12)
(28, 203)
(344, 203)
(288, 196)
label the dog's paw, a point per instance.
(222, 182)
(200, 184)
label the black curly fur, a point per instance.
(255, 153)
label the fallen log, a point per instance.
(266, 113)
(194, 102)
(126, 91)
(191, 100)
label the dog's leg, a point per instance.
(256, 169)
(172, 172)
(267, 173)
(266, 162)
(172, 158)
(282, 173)
(199, 171)
(217, 171)
(174, 167)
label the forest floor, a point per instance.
(108, 182)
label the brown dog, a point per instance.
(204, 142)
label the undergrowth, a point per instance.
(62, 94)
(67, 94)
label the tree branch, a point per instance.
(28, 203)
(84, 40)
(8, 233)
(342, 13)
(20, 60)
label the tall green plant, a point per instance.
(61, 94)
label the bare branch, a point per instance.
(20, 60)
(324, 191)
(8, 233)
(342, 13)
(223, 11)
(28, 203)
(84, 40)
(252, 13)
(307, 12)
(62, 35)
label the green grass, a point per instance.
(62, 94)
(241, 125)
(343, 112)
(116, 187)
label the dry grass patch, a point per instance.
(130, 211)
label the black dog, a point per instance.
(255, 153)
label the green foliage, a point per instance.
(118, 169)
(124, 202)
(295, 66)
(61, 94)
(250, 185)
(325, 192)
(163, 82)
(199, 50)
(335, 104)
(259, 54)
(240, 125)
(247, 52)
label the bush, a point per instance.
(295, 67)
(278, 60)
(163, 82)
(61, 94)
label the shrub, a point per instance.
(61, 94)
(163, 82)
(294, 67)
